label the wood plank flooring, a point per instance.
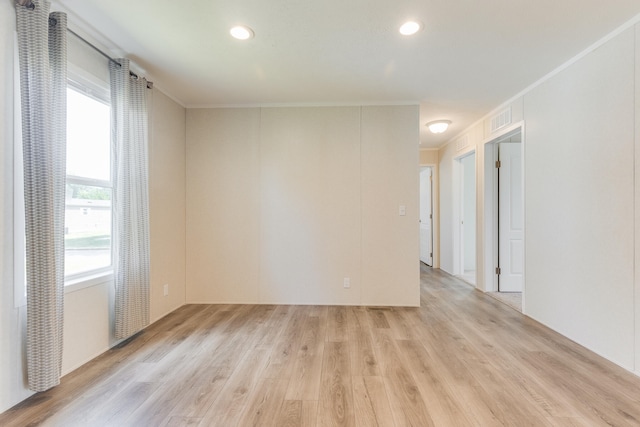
(461, 359)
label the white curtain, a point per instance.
(130, 199)
(43, 86)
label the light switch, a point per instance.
(403, 210)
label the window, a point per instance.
(87, 233)
(88, 257)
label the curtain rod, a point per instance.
(149, 83)
(29, 5)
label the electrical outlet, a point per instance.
(166, 289)
(347, 282)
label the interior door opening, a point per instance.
(465, 250)
(426, 216)
(510, 217)
(504, 218)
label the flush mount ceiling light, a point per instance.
(410, 27)
(438, 126)
(241, 32)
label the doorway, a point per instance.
(465, 250)
(426, 216)
(510, 216)
(504, 217)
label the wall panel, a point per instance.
(167, 182)
(310, 205)
(223, 205)
(579, 200)
(390, 175)
(278, 198)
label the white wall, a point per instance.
(88, 320)
(223, 205)
(446, 156)
(167, 204)
(579, 199)
(637, 204)
(12, 320)
(88, 311)
(284, 203)
(390, 177)
(468, 164)
(310, 205)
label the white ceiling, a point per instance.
(471, 55)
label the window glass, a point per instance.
(88, 137)
(88, 188)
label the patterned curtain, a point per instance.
(43, 85)
(130, 199)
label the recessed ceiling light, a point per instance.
(410, 27)
(241, 32)
(438, 126)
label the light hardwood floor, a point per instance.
(461, 359)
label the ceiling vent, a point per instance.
(462, 142)
(501, 120)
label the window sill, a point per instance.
(87, 281)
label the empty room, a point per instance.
(296, 213)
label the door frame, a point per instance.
(490, 226)
(432, 213)
(435, 208)
(458, 233)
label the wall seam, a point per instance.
(635, 201)
(360, 288)
(259, 237)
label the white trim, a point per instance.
(629, 24)
(89, 33)
(86, 84)
(490, 250)
(80, 26)
(80, 180)
(458, 206)
(86, 360)
(309, 104)
(504, 132)
(82, 281)
(607, 38)
(160, 88)
(490, 226)
(435, 207)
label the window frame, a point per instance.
(90, 85)
(98, 91)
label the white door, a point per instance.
(511, 218)
(426, 217)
